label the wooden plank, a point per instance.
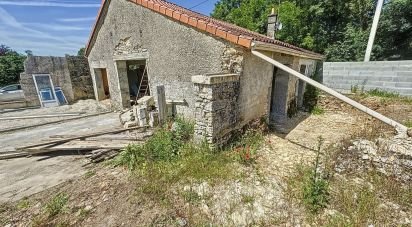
(113, 131)
(80, 146)
(42, 116)
(107, 137)
(100, 153)
(12, 155)
(107, 156)
(52, 122)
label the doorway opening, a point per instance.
(278, 105)
(301, 87)
(138, 79)
(102, 84)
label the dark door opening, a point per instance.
(138, 79)
(105, 83)
(102, 84)
(279, 96)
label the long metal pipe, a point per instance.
(399, 127)
(373, 30)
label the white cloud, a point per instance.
(57, 27)
(51, 3)
(21, 37)
(79, 19)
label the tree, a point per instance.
(395, 31)
(28, 52)
(81, 52)
(11, 65)
(336, 28)
(4, 50)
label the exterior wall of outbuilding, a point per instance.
(174, 53)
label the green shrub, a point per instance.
(315, 193)
(184, 129)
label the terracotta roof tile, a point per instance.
(230, 32)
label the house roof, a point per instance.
(221, 29)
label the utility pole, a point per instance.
(373, 30)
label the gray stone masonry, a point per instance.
(71, 73)
(216, 107)
(391, 76)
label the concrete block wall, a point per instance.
(391, 76)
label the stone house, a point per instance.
(205, 62)
(70, 73)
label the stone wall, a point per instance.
(82, 83)
(59, 73)
(217, 111)
(69, 73)
(173, 52)
(392, 76)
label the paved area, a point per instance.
(22, 177)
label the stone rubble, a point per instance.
(389, 156)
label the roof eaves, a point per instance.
(99, 15)
(257, 45)
(196, 22)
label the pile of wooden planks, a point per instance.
(98, 146)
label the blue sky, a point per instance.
(58, 27)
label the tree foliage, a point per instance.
(339, 29)
(11, 65)
(81, 52)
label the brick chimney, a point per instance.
(272, 20)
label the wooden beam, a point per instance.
(59, 141)
(42, 116)
(52, 122)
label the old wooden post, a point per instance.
(161, 102)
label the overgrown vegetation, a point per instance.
(338, 29)
(386, 96)
(351, 198)
(11, 65)
(170, 156)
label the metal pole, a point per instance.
(399, 127)
(373, 30)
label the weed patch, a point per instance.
(246, 146)
(89, 173)
(310, 186)
(408, 123)
(317, 110)
(56, 205)
(23, 203)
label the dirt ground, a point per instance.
(108, 196)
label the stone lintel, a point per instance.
(131, 56)
(215, 78)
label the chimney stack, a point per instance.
(272, 20)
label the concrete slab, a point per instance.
(26, 176)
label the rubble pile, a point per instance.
(389, 156)
(142, 114)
